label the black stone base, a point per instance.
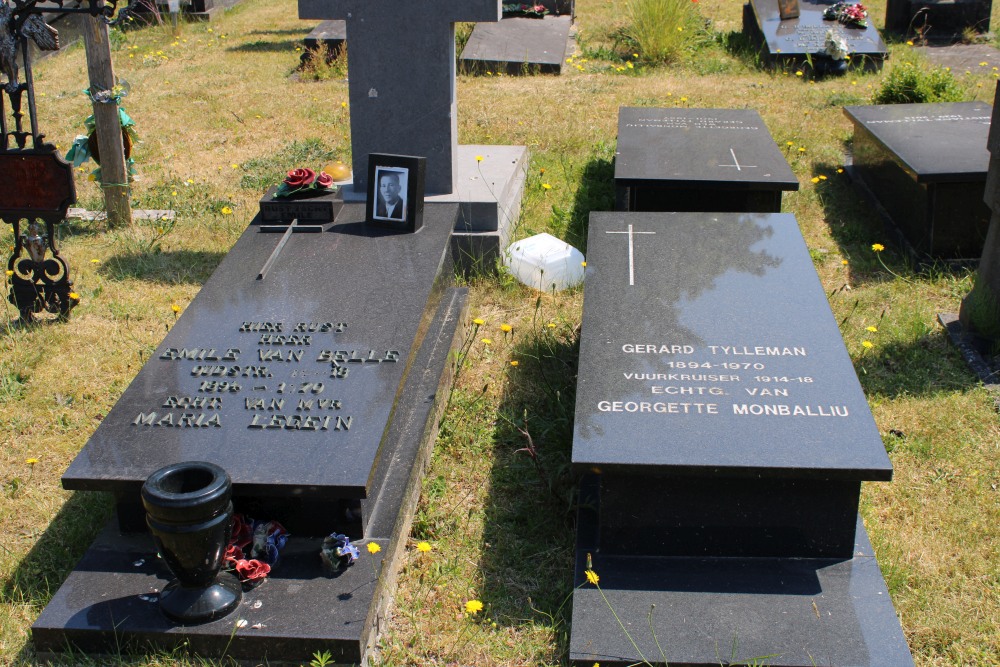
(937, 20)
(795, 612)
(108, 604)
(651, 198)
(307, 210)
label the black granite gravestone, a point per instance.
(938, 19)
(795, 42)
(723, 437)
(315, 385)
(698, 160)
(926, 165)
(331, 34)
(519, 45)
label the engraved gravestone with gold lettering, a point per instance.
(723, 437)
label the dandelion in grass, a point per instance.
(630, 65)
(789, 143)
(176, 309)
(190, 181)
(374, 548)
(802, 149)
(844, 262)
(479, 158)
(822, 177)
(592, 577)
(74, 296)
(235, 166)
(814, 179)
(423, 547)
(798, 73)
(515, 363)
(506, 328)
(473, 607)
(95, 261)
(878, 247)
(684, 99)
(583, 264)
(867, 344)
(546, 186)
(551, 325)
(226, 210)
(873, 329)
(479, 321)
(840, 170)
(909, 42)
(486, 341)
(9, 273)
(31, 461)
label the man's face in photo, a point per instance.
(389, 188)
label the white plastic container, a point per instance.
(545, 263)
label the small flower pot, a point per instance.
(190, 513)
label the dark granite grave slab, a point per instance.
(108, 603)
(754, 379)
(788, 42)
(698, 160)
(519, 45)
(331, 33)
(925, 164)
(794, 612)
(288, 382)
(938, 19)
(306, 210)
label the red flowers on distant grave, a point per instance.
(525, 10)
(261, 541)
(851, 15)
(305, 182)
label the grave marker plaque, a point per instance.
(926, 166)
(788, 42)
(698, 160)
(723, 437)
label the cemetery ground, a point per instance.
(222, 114)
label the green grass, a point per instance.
(222, 112)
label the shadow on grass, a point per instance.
(595, 192)
(923, 367)
(170, 268)
(40, 573)
(527, 559)
(264, 46)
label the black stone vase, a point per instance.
(190, 513)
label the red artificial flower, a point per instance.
(251, 570)
(324, 180)
(233, 554)
(242, 531)
(300, 177)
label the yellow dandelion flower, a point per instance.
(374, 548)
(74, 296)
(551, 325)
(487, 341)
(909, 42)
(174, 193)
(226, 210)
(878, 247)
(515, 363)
(506, 328)
(479, 321)
(423, 547)
(814, 179)
(983, 64)
(235, 166)
(822, 177)
(592, 577)
(479, 158)
(190, 181)
(175, 308)
(95, 261)
(840, 170)
(546, 186)
(684, 99)
(868, 344)
(31, 461)
(789, 143)
(583, 264)
(844, 262)
(9, 273)
(630, 65)
(798, 73)
(473, 607)
(873, 329)
(802, 149)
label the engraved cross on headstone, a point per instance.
(631, 251)
(401, 75)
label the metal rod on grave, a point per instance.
(114, 172)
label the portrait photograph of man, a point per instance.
(390, 203)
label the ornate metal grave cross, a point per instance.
(36, 184)
(402, 78)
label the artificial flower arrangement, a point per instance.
(850, 14)
(528, 11)
(836, 46)
(305, 182)
(85, 146)
(254, 548)
(337, 553)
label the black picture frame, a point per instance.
(407, 172)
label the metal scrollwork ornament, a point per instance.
(39, 283)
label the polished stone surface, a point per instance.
(938, 19)
(698, 159)
(925, 165)
(107, 605)
(792, 39)
(331, 33)
(519, 45)
(935, 143)
(402, 79)
(708, 348)
(704, 612)
(287, 382)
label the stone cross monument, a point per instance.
(402, 78)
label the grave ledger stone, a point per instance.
(925, 164)
(310, 367)
(938, 19)
(796, 41)
(698, 160)
(723, 437)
